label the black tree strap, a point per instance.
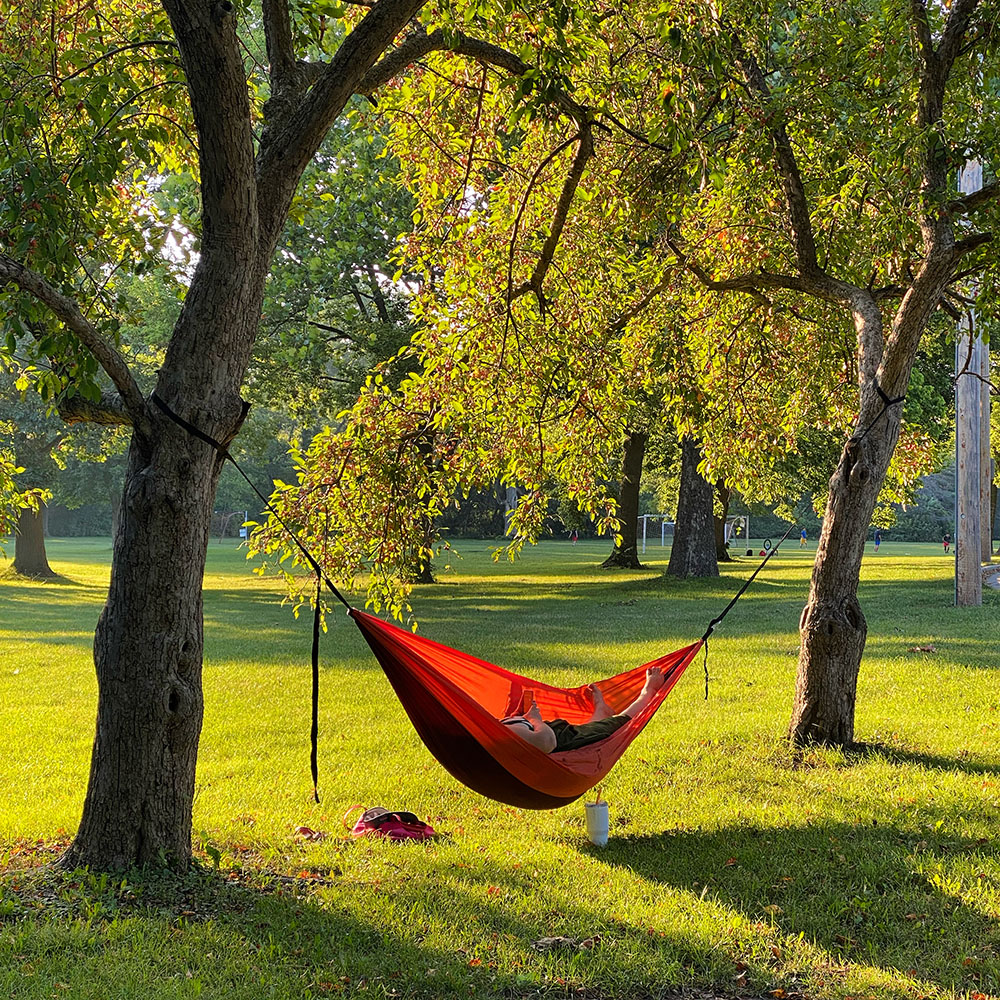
(224, 452)
(887, 401)
(321, 578)
(729, 607)
(314, 727)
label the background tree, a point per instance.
(57, 461)
(693, 550)
(801, 77)
(625, 553)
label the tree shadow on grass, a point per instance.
(931, 762)
(11, 575)
(64, 615)
(878, 895)
(401, 932)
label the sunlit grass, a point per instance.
(733, 865)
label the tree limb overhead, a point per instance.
(66, 310)
(109, 411)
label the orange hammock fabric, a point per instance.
(455, 702)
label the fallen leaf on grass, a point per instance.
(304, 833)
(773, 910)
(923, 649)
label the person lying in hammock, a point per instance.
(556, 735)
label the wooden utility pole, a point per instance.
(968, 422)
(985, 453)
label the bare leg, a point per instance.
(654, 681)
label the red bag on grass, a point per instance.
(393, 825)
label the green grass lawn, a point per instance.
(732, 866)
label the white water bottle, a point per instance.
(597, 823)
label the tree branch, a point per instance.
(749, 283)
(69, 313)
(803, 239)
(955, 30)
(217, 85)
(109, 411)
(620, 322)
(918, 16)
(584, 151)
(280, 50)
(286, 149)
(419, 44)
(977, 199)
(971, 243)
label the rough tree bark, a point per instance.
(29, 546)
(116, 510)
(693, 550)
(625, 554)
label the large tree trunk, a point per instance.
(832, 627)
(149, 640)
(625, 554)
(719, 522)
(148, 655)
(693, 551)
(148, 644)
(29, 545)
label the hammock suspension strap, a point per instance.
(321, 578)
(729, 607)
(887, 402)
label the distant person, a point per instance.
(574, 537)
(802, 539)
(946, 542)
(878, 539)
(557, 735)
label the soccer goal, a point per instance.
(661, 521)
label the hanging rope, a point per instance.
(729, 607)
(321, 579)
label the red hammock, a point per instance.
(455, 702)
(463, 731)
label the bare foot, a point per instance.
(602, 710)
(654, 680)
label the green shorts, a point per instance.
(570, 737)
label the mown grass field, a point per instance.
(733, 867)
